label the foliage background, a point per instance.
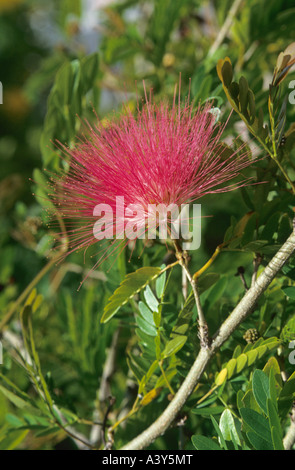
(63, 58)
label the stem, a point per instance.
(285, 174)
(226, 27)
(133, 410)
(202, 320)
(203, 327)
(165, 378)
(274, 154)
(107, 444)
(184, 284)
(212, 259)
(240, 273)
(272, 127)
(104, 392)
(74, 436)
(238, 315)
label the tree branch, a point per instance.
(238, 315)
(289, 439)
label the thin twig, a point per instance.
(225, 27)
(241, 274)
(131, 412)
(165, 378)
(203, 327)
(104, 390)
(107, 444)
(184, 284)
(210, 261)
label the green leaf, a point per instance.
(272, 386)
(258, 442)
(260, 386)
(150, 299)
(48, 431)
(227, 73)
(146, 341)
(14, 420)
(289, 271)
(251, 353)
(160, 285)
(13, 439)
(231, 367)
(169, 373)
(217, 290)
(173, 346)
(287, 395)
(138, 366)
(157, 341)
(64, 82)
(237, 351)
(252, 106)
(256, 422)
(207, 411)
(146, 327)
(276, 439)
(157, 318)
(248, 401)
(221, 377)
(218, 430)
(145, 312)
(228, 427)
(240, 96)
(255, 246)
(204, 443)
(247, 199)
(243, 95)
(288, 332)
(41, 189)
(132, 284)
(17, 391)
(241, 362)
(289, 291)
(255, 354)
(274, 422)
(89, 71)
(206, 281)
(152, 370)
(271, 227)
(17, 401)
(184, 317)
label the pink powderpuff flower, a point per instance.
(165, 154)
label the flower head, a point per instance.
(165, 154)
